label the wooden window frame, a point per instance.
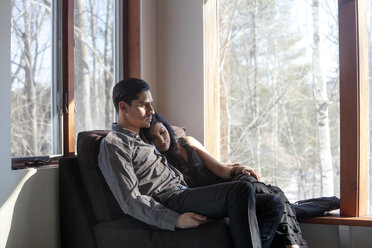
(131, 62)
(353, 56)
(211, 77)
(353, 108)
(131, 58)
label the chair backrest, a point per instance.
(104, 204)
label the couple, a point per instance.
(152, 190)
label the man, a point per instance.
(151, 190)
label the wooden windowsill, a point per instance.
(335, 219)
(53, 163)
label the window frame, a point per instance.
(353, 62)
(128, 58)
(353, 108)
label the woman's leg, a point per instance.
(267, 206)
(289, 231)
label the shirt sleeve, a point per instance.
(117, 169)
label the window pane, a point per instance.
(94, 64)
(35, 124)
(279, 92)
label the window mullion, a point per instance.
(68, 77)
(353, 110)
(363, 108)
(211, 92)
(132, 38)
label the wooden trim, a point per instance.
(132, 38)
(363, 109)
(211, 91)
(68, 78)
(348, 108)
(337, 220)
(353, 110)
(50, 163)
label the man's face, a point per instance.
(139, 113)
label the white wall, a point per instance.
(28, 198)
(149, 47)
(180, 63)
(179, 87)
(333, 236)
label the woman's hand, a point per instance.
(242, 169)
(249, 171)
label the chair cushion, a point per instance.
(104, 205)
(129, 232)
(75, 218)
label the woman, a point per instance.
(201, 169)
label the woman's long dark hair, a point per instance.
(172, 156)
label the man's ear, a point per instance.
(123, 107)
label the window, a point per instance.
(66, 56)
(266, 54)
(279, 94)
(34, 96)
(94, 64)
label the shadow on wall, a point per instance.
(35, 221)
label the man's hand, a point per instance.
(190, 220)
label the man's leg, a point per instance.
(235, 200)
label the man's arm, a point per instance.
(118, 171)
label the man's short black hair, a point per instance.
(128, 90)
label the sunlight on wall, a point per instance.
(6, 209)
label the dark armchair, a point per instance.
(91, 217)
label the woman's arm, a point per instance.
(210, 162)
(222, 170)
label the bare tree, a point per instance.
(267, 95)
(321, 103)
(108, 60)
(31, 77)
(30, 101)
(83, 81)
(95, 68)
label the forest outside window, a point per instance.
(42, 89)
(94, 64)
(292, 96)
(279, 92)
(35, 97)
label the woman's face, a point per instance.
(160, 137)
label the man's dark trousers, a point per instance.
(238, 201)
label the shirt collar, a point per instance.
(120, 129)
